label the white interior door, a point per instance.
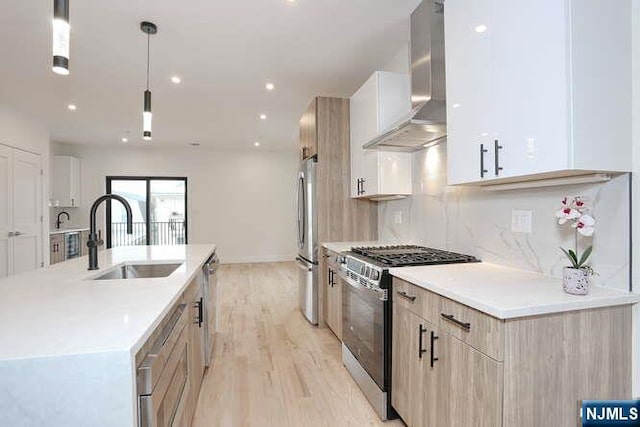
(27, 212)
(5, 211)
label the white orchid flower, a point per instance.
(585, 225)
(567, 214)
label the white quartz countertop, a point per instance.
(68, 230)
(58, 311)
(346, 246)
(507, 293)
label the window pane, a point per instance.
(168, 216)
(135, 191)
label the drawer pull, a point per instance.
(421, 350)
(450, 317)
(434, 359)
(403, 294)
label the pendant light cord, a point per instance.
(148, 43)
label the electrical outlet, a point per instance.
(521, 221)
(397, 217)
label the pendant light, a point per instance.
(148, 28)
(61, 31)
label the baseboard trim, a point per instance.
(256, 259)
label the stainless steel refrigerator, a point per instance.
(307, 231)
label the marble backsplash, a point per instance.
(478, 222)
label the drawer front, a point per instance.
(419, 301)
(481, 331)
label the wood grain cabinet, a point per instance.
(333, 293)
(84, 238)
(57, 249)
(309, 131)
(340, 218)
(528, 94)
(456, 366)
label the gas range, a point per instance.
(405, 255)
(366, 312)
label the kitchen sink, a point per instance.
(138, 271)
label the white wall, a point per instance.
(20, 131)
(243, 201)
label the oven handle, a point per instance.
(383, 294)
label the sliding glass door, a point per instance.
(159, 207)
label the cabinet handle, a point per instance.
(359, 181)
(10, 234)
(451, 318)
(73, 201)
(496, 149)
(420, 349)
(434, 337)
(362, 185)
(403, 294)
(333, 278)
(200, 306)
(482, 169)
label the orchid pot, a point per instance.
(576, 281)
(576, 278)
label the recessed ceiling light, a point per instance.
(270, 86)
(194, 144)
(257, 144)
(72, 107)
(263, 117)
(481, 28)
(124, 139)
(176, 80)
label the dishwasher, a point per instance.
(211, 314)
(163, 376)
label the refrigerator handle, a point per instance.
(303, 211)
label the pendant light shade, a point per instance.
(61, 31)
(148, 28)
(146, 116)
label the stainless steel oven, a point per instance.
(366, 313)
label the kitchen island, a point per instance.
(68, 343)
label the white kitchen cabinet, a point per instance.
(65, 182)
(380, 102)
(20, 211)
(530, 93)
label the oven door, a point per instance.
(363, 316)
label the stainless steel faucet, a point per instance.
(58, 222)
(93, 241)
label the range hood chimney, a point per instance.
(427, 123)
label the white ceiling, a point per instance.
(225, 52)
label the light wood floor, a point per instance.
(271, 367)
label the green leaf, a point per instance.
(585, 256)
(574, 257)
(568, 254)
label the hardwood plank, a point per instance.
(270, 366)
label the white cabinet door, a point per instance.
(27, 212)
(530, 87)
(364, 127)
(5, 211)
(65, 182)
(468, 34)
(379, 103)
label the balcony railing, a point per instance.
(162, 233)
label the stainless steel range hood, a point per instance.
(427, 123)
